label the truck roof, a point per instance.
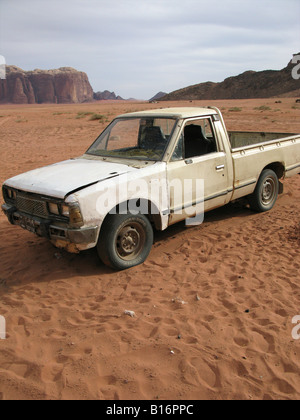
(187, 112)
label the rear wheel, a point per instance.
(266, 192)
(125, 240)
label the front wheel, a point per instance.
(125, 240)
(266, 192)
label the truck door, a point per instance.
(198, 156)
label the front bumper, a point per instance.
(73, 240)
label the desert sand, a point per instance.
(213, 304)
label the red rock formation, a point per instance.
(64, 85)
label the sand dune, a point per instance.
(213, 304)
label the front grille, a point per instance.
(31, 206)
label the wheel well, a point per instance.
(147, 208)
(278, 168)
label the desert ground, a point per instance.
(214, 304)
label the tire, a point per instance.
(266, 192)
(125, 241)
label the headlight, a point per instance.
(65, 211)
(53, 208)
(70, 211)
(11, 194)
(59, 209)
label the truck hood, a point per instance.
(63, 178)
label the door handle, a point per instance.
(220, 167)
(189, 161)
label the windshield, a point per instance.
(134, 138)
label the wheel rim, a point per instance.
(268, 191)
(130, 241)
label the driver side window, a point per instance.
(197, 139)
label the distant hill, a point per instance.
(251, 84)
(106, 95)
(158, 96)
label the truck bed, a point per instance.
(261, 150)
(240, 139)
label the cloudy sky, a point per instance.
(137, 48)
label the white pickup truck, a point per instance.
(147, 170)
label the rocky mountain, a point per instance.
(158, 96)
(251, 84)
(64, 85)
(106, 95)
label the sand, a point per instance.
(213, 304)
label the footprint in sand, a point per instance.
(22, 322)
